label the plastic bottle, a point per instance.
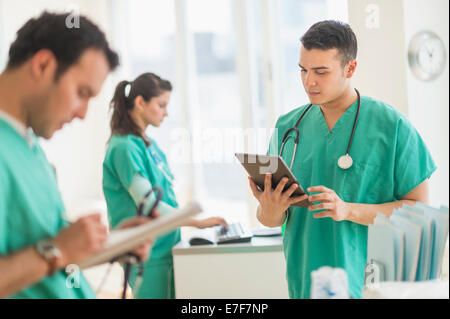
(329, 283)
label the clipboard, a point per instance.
(121, 241)
(257, 166)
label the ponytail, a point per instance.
(148, 86)
(121, 121)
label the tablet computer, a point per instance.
(257, 166)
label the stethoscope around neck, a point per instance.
(344, 162)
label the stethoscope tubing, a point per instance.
(286, 135)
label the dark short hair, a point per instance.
(50, 31)
(331, 34)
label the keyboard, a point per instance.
(232, 234)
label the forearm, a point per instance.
(21, 270)
(365, 214)
(191, 223)
(270, 220)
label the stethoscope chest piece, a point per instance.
(345, 161)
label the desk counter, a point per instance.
(257, 244)
(231, 271)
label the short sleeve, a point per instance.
(127, 160)
(413, 161)
(274, 146)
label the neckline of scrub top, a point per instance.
(340, 122)
(19, 129)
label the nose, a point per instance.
(310, 79)
(82, 111)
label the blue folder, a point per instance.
(440, 223)
(399, 247)
(426, 243)
(380, 247)
(413, 238)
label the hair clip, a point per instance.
(127, 90)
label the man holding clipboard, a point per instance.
(52, 73)
(357, 156)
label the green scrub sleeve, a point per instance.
(3, 196)
(274, 141)
(141, 186)
(413, 161)
(127, 161)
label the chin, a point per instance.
(318, 100)
(48, 135)
(315, 100)
(43, 134)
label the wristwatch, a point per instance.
(52, 255)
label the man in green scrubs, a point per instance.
(52, 73)
(391, 165)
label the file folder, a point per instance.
(441, 228)
(399, 247)
(413, 238)
(380, 247)
(426, 244)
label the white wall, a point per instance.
(381, 50)
(384, 29)
(429, 101)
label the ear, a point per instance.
(139, 102)
(350, 68)
(43, 65)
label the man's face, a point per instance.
(323, 76)
(60, 102)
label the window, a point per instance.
(295, 19)
(239, 59)
(146, 42)
(221, 189)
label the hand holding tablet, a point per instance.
(258, 166)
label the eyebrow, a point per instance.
(316, 68)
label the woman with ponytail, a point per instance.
(133, 165)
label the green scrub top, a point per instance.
(126, 156)
(31, 209)
(389, 160)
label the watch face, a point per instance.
(426, 55)
(47, 249)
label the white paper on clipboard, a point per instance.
(122, 241)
